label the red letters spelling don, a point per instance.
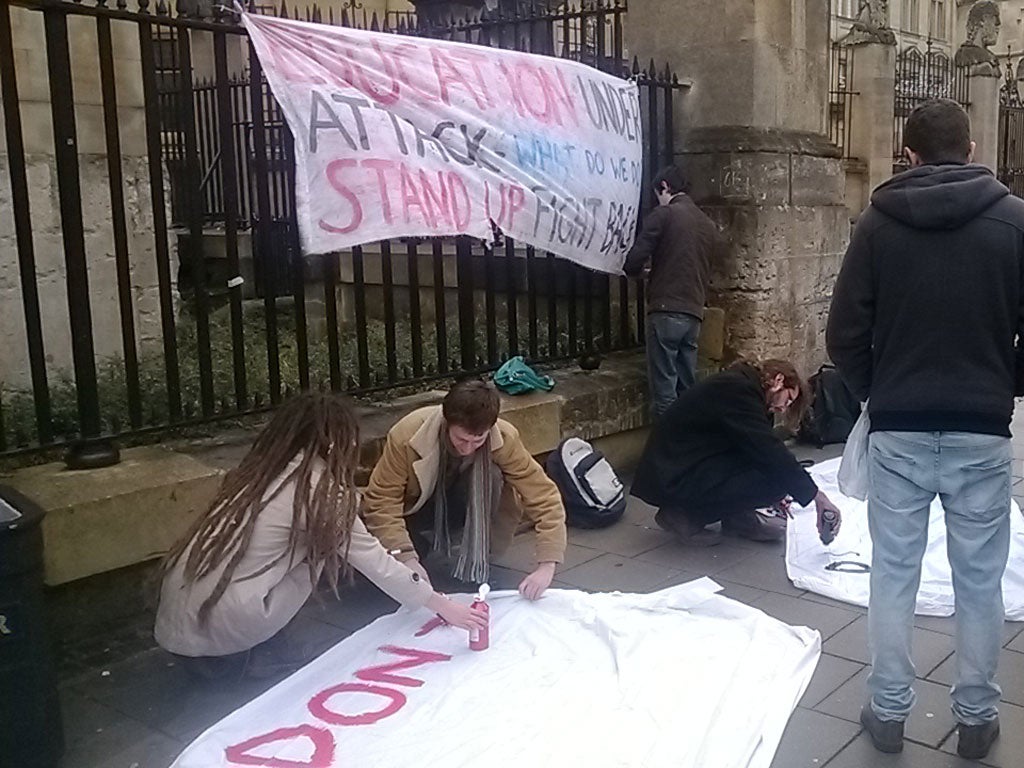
(321, 739)
(422, 72)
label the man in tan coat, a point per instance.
(457, 465)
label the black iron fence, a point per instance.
(1011, 131)
(209, 196)
(923, 75)
(840, 97)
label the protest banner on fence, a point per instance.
(401, 136)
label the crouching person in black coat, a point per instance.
(713, 456)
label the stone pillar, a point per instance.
(873, 83)
(984, 112)
(751, 137)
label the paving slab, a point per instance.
(811, 739)
(929, 648)
(800, 612)
(1010, 676)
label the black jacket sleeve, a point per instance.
(851, 316)
(745, 418)
(646, 241)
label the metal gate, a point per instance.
(1011, 134)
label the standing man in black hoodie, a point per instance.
(927, 320)
(677, 239)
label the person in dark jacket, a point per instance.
(714, 456)
(927, 321)
(677, 240)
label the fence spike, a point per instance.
(161, 8)
(401, 26)
(344, 18)
(668, 73)
(330, 15)
(374, 25)
(143, 6)
(636, 66)
(283, 10)
(652, 71)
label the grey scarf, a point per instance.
(472, 564)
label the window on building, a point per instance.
(911, 16)
(847, 9)
(938, 28)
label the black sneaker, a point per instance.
(886, 735)
(686, 530)
(976, 740)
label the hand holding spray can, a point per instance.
(829, 519)
(480, 639)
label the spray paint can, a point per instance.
(480, 639)
(829, 522)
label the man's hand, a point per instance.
(457, 614)
(822, 504)
(534, 585)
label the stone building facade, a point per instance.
(37, 127)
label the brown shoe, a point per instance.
(685, 530)
(754, 526)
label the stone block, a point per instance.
(711, 344)
(537, 416)
(817, 180)
(32, 73)
(99, 520)
(37, 127)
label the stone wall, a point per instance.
(37, 127)
(786, 235)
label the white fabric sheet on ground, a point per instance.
(682, 677)
(807, 557)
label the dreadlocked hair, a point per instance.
(322, 431)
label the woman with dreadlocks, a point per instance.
(287, 515)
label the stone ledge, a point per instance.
(102, 520)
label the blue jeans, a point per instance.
(971, 475)
(671, 357)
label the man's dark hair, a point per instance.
(939, 131)
(472, 405)
(674, 179)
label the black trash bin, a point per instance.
(31, 734)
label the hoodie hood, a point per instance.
(939, 196)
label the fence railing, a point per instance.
(840, 98)
(923, 75)
(154, 340)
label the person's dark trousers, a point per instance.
(742, 488)
(671, 357)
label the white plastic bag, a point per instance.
(853, 470)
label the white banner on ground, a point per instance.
(404, 136)
(682, 678)
(807, 558)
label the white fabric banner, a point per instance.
(807, 558)
(405, 136)
(681, 678)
